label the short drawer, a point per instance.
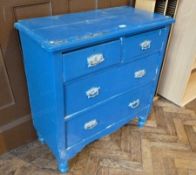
(142, 44)
(95, 88)
(90, 122)
(90, 59)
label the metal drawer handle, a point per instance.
(140, 73)
(145, 45)
(91, 124)
(93, 92)
(134, 104)
(94, 60)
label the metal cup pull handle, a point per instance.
(134, 104)
(140, 73)
(91, 124)
(95, 59)
(93, 92)
(145, 45)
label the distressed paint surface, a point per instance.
(63, 115)
(65, 31)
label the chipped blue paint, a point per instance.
(126, 47)
(61, 32)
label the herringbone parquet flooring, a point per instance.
(165, 146)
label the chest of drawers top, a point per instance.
(71, 31)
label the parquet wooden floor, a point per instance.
(165, 146)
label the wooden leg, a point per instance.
(143, 116)
(40, 138)
(63, 166)
(141, 121)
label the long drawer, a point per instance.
(95, 88)
(90, 122)
(87, 60)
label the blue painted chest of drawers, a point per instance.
(90, 73)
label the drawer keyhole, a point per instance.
(94, 60)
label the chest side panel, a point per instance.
(44, 79)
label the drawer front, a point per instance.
(88, 123)
(98, 87)
(142, 44)
(90, 59)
